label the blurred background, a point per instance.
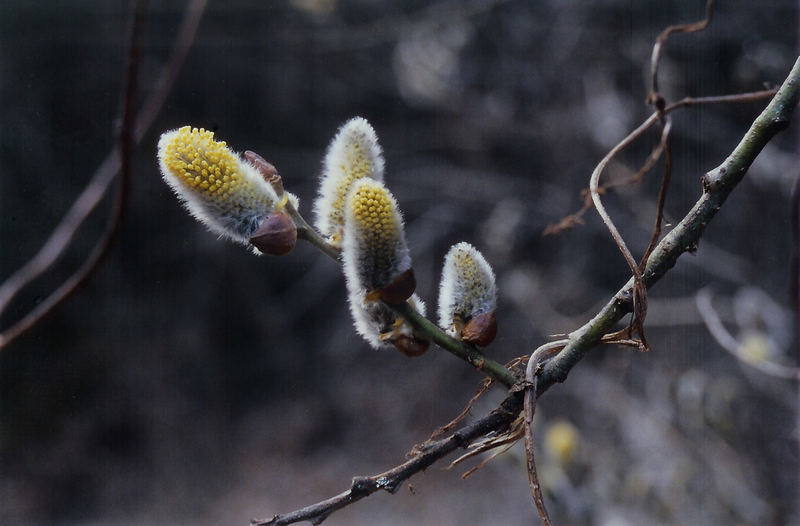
(188, 381)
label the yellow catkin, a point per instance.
(200, 162)
(219, 188)
(373, 215)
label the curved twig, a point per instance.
(575, 218)
(531, 374)
(663, 147)
(654, 97)
(639, 289)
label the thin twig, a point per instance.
(726, 340)
(639, 289)
(531, 375)
(664, 146)
(465, 351)
(125, 146)
(499, 448)
(463, 414)
(92, 194)
(576, 218)
(657, 100)
(654, 97)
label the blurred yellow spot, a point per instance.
(754, 347)
(561, 441)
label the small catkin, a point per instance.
(467, 289)
(353, 154)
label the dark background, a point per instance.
(189, 381)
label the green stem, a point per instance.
(424, 327)
(307, 233)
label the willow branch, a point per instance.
(717, 185)
(392, 479)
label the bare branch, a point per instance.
(90, 197)
(664, 146)
(654, 97)
(576, 218)
(391, 480)
(717, 185)
(125, 146)
(531, 375)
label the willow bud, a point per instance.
(220, 189)
(411, 346)
(276, 236)
(468, 296)
(353, 154)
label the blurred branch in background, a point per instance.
(754, 351)
(132, 130)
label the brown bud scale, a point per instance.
(267, 171)
(480, 330)
(400, 289)
(276, 236)
(411, 346)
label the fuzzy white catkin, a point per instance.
(377, 323)
(374, 252)
(217, 186)
(353, 154)
(467, 288)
